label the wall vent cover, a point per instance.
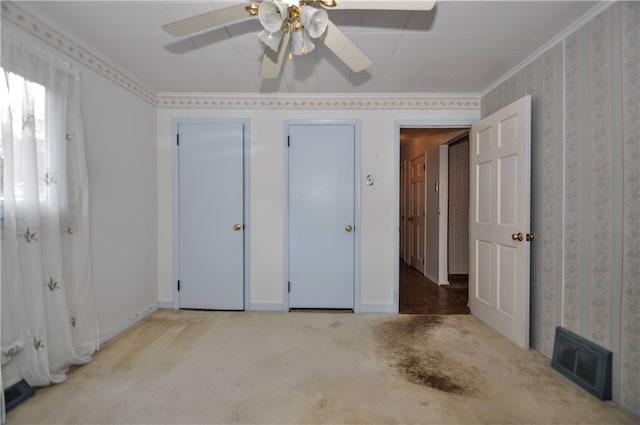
(584, 362)
(16, 394)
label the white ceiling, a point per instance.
(458, 47)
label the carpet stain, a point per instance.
(407, 345)
(337, 324)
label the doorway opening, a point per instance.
(434, 220)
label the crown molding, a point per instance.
(24, 20)
(37, 27)
(439, 101)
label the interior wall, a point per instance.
(121, 161)
(585, 260)
(378, 232)
(120, 143)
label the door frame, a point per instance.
(285, 216)
(461, 123)
(176, 204)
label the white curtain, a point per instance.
(46, 263)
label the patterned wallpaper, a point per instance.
(585, 262)
(630, 180)
(542, 79)
(459, 207)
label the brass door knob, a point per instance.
(348, 228)
(530, 237)
(237, 227)
(518, 236)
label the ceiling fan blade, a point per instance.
(215, 18)
(272, 61)
(417, 5)
(345, 49)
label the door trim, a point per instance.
(397, 125)
(176, 210)
(285, 215)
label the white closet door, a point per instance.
(211, 211)
(321, 216)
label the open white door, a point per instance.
(499, 219)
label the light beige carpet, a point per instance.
(216, 367)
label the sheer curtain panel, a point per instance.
(46, 262)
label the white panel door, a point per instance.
(321, 216)
(499, 212)
(211, 211)
(416, 214)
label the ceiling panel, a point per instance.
(405, 65)
(376, 44)
(458, 47)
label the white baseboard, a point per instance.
(121, 326)
(378, 308)
(265, 307)
(165, 305)
(431, 277)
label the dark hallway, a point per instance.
(419, 295)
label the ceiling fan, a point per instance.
(295, 21)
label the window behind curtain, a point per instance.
(14, 100)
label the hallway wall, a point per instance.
(419, 141)
(458, 233)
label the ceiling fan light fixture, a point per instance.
(328, 3)
(271, 39)
(301, 45)
(272, 14)
(314, 20)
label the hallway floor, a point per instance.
(196, 367)
(419, 295)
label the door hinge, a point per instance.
(289, 287)
(178, 139)
(178, 286)
(288, 141)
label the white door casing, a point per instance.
(211, 215)
(417, 199)
(443, 214)
(403, 211)
(499, 212)
(321, 216)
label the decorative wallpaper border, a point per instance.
(24, 20)
(34, 26)
(310, 102)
